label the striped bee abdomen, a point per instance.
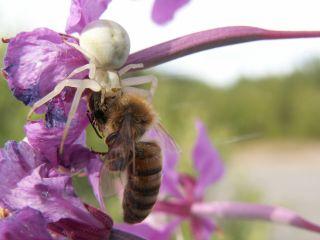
(144, 180)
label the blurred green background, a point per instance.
(281, 111)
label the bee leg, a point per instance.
(80, 85)
(129, 67)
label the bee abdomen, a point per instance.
(144, 182)
(138, 202)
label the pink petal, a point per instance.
(163, 10)
(202, 228)
(179, 207)
(51, 193)
(76, 230)
(17, 160)
(93, 170)
(47, 137)
(206, 161)
(117, 234)
(170, 153)
(36, 61)
(146, 231)
(209, 39)
(83, 12)
(24, 224)
(188, 184)
(236, 210)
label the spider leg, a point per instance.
(94, 86)
(138, 91)
(128, 82)
(80, 86)
(84, 52)
(92, 60)
(73, 109)
(79, 70)
(129, 67)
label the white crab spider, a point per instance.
(106, 45)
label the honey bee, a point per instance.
(127, 117)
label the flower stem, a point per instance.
(209, 39)
(235, 210)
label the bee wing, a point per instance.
(159, 133)
(121, 146)
(111, 184)
(113, 174)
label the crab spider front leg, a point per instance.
(134, 81)
(94, 86)
(80, 85)
(93, 61)
(89, 66)
(89, 56)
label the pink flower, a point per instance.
(83, 12)
(184, 198)
(163, 10)
(26, 223)
(35, 63)
(37, 197)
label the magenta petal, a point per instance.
(209, 39)
(47, 137)
(76, 230)
(206, 161)
(83, 12)
(26, 223)
(93, 171)
(170, 157)
(146, 231)
(202, 228)
(51, 193)
(163, 10)
(36, 61)
(179, 208)
(17, 160)
(248, 211)
(75, 157)
(117, 234)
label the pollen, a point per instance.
(5, 40)
(4, 213)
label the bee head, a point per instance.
(107, 41)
